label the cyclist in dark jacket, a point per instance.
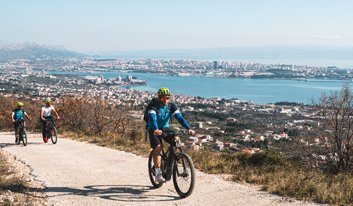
(18, 117)
(159, 117)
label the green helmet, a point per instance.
(19, 104)
(47, 100)
(164, 91)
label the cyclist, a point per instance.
(159, 116)
(45, 116)
(18, 117)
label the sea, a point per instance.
(258, 91)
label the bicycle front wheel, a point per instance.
(184, 175)
(53, 135)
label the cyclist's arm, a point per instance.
(153, 117)
(27, 115)
(12, 116)
(56, 113)
(181, 119)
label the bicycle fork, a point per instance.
(184, 172)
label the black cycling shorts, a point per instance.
(17, 124)
(168, 136)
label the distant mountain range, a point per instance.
(35, 51)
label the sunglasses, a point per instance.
(166, 97)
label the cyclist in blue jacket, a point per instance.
(159, 116)
(18, 117)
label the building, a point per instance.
(215, 65)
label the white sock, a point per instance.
(158, 171)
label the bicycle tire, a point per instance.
(151, 171)
(17, 141)
(53, 135)
(176, 174)
(23, 134)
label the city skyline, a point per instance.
(108, 26)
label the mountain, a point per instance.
(35, 51)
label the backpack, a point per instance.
(154, 104)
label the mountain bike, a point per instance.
(22, 134)
(50, 131)
(174, 162)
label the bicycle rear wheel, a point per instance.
(184, 175)
(23, 136)
(152, 172)
(17, 140)
(53, 135)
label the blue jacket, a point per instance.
(159, 116)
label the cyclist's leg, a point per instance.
(50, 118)
(156, 146)
(16, 126)
(157, 158)
(43, 127)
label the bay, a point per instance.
(259, 91)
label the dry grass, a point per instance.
(278, 175)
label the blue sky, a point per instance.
(108, 25)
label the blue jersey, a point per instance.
(18, 114)
(163, 117)
(160, 115)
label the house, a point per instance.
(259, 138)
(234, 147)
(284, 135)
(193, 139)
(206, 138)
(231, 119)
(247, 138)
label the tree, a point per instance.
(336, 128)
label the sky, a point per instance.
(117, 25)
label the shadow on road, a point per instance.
(3, 145)
(128, 193)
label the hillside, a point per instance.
(34, 51)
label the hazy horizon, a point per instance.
(110, 26)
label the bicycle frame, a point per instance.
(48, 126)
(176, 150)
(20, 127)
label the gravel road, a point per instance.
(77, 173)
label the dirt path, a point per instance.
(77, 173)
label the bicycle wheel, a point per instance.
(183, 175)
(53, 135)
(17, 140)
(152, 172)
(23, 135)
